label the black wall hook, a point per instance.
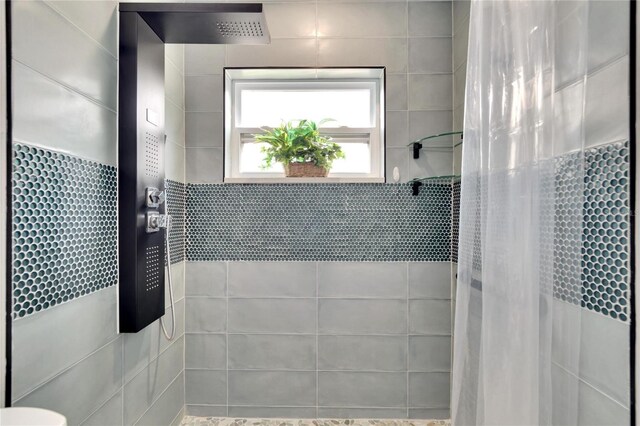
(415, 186)
(417, 146)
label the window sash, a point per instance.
(305, 85)
(236, 137)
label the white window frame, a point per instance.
(237, 79)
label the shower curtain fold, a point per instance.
(508, 347)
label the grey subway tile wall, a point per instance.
(430, 19)
(253, 279)
(277, 351)
(206, 386)
(275, 412)
(397, 128)
(429, 390)
(161, 371)
(168, 406)
(109, 414)
(460, 43)
(265, 388)
(79, 390)
(204, 165)
(430, 353)
(65, 144)
(97, 19)
(378, 413)
(205, 315)
(353, 316)
(84, 119)
(206, 351)
(369, 353)
(65, 340)
(70, 66)
(147, 344)
(423, 123)
(361, 388)
(271, 315)
(206, 279)
(429, 280)
(430, 317)
(368, 280)
(331, 336)
(606, 116)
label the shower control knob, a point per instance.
(153, 222)
(156, 221)
(154, 197)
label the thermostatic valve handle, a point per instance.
(156, 221)
(154, 197)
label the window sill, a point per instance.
(268, 180)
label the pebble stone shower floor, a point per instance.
(227, 421)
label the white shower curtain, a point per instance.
(510, 225)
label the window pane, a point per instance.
(357, 159)
(349, 107)
(251, 159)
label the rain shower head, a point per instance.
(204, 23)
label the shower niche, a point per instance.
(144, 30)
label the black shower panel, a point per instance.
(144, 29)
(141, 139)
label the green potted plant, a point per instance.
(300, 148)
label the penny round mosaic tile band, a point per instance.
(64, 228)
(323, 222)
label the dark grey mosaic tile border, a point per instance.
(64, 228)
(455, 219)
(176, 199)
(331, 222)
(604, 230)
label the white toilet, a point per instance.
(28, 416)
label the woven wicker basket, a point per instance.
(308, 169)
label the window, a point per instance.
(353, 99)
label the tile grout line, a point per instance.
(155, 358)
(177, 415)
(51, 5)
(74, 90)
(317, 43)
(595, 388)
(123, 381)
(407, 173)
(64, 370)
(311, 370)
(361, 334)
(157, 399)
(184, 277)
(407, 354)
(119, 390)
(59, 151)
(317, 333)
(226, 328)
